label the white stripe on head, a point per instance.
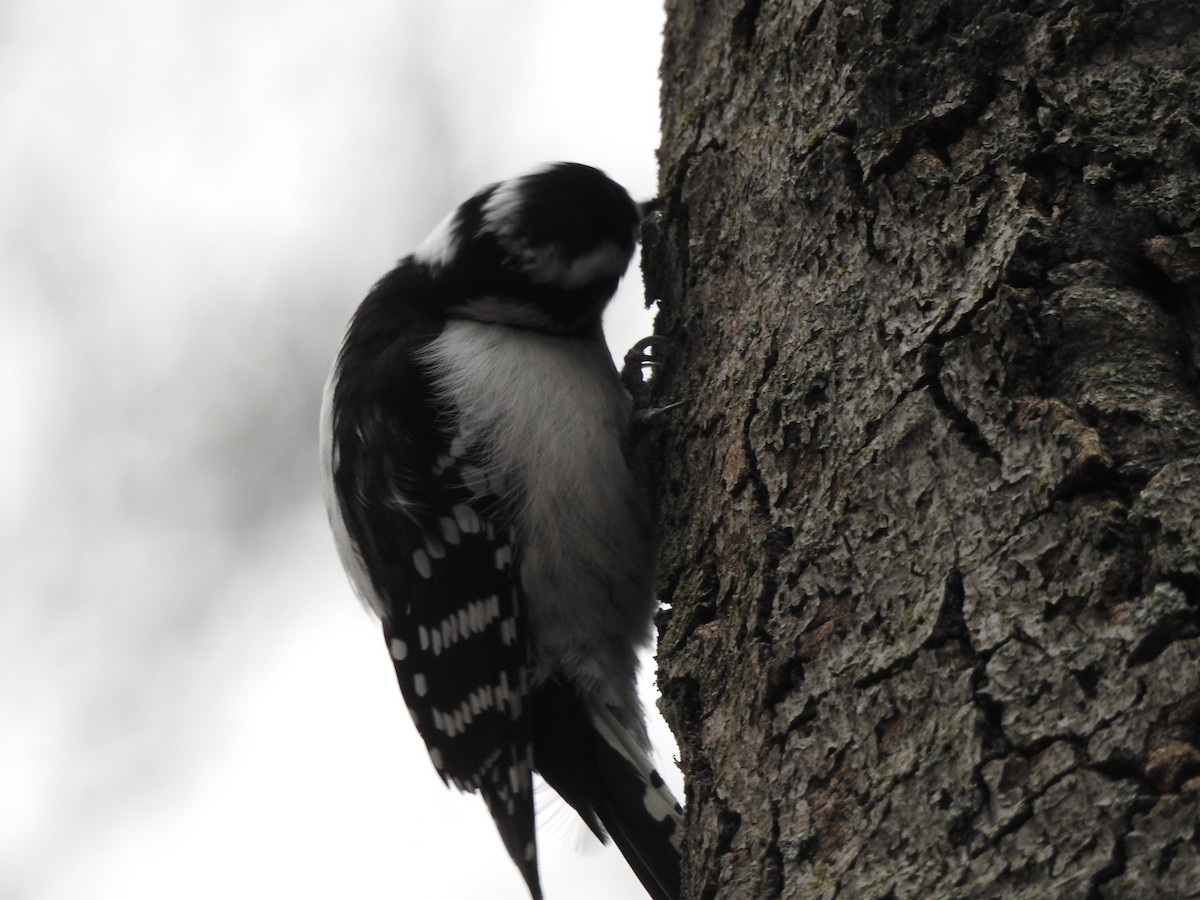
(545, 264)
(441, 245)
(501, 211)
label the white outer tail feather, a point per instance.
(659, 800)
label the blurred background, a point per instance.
(194, 196)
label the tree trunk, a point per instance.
(930, 519)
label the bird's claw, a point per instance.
(646, 353)
(645, 419)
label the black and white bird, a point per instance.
(474, 451)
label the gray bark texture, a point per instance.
(930, 517)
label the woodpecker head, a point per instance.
(544, 250)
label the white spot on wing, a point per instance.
(503, 557)
(439, 465)
(466, 518)
(450, 533)
(508, 631)
(399, 649)
(503, 695)
(422, 563)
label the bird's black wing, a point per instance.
(435, 541)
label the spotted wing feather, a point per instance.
(435, 544)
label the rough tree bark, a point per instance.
(931, 534)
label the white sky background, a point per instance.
(193, 198)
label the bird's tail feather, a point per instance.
(637, 808)
(601, 768)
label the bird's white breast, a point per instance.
(556, 415)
